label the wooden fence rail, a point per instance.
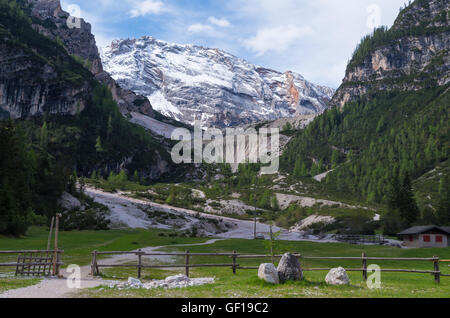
(35, 262)
(355, 239)
(95, 266)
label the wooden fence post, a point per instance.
(55, 254)
(234, 262)
(94, 263)
(58, 261)
(437, 274)
(187, 263)
(364, 264)
(139, 253)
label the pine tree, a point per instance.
(409, 210)
(300, 169)
(44, 135)
(109, 127)
(98, 145)
(443, 211)
(171, 198)
(335, 159)
(122, 177)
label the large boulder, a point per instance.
(269, 273)
(69, 202)
(337, 276)
(289, 268)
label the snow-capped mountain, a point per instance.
(190, 83)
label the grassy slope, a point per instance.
(426, 188)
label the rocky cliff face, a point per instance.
(32, 80)
(50, 20)
(47, 67)
(189, 83)
(412, 53)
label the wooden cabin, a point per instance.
(426, 236)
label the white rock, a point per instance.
(269, 273)
(337, 276)
(177, 279)
(134, 281)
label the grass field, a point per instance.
(79, 245)
(13, 283)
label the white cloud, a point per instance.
(143, 8)
(199, 28)
(277, 39)
(224, 23)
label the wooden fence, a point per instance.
(358, 239)
(234, 265)
(35, 262)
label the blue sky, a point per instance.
(315, 38)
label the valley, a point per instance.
(87, 133)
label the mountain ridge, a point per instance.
(191, 82)
(49, 19)
(410, 55)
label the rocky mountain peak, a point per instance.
(190, 82)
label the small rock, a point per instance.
(134, 281)
(289, 268)
(177, 279)
(337, 276)
(269, 273)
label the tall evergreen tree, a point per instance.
(443, 211)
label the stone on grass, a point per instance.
(289, 268)
(134, 282)
(269, 273)
(337, 276)
(177, 279)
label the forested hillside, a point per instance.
(396, 129)
(41, 156)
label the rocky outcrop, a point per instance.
(415, 51)
(289, 268)
(69, 202)
(28, 88)
(51, 67)
(31, 83)
(268, 273)
(172, 282)
(76, 36)
(188, 83)
(337, 276)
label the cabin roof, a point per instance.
(426, 228)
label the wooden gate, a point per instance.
(34, 264)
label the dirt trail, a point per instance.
(57, 288)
